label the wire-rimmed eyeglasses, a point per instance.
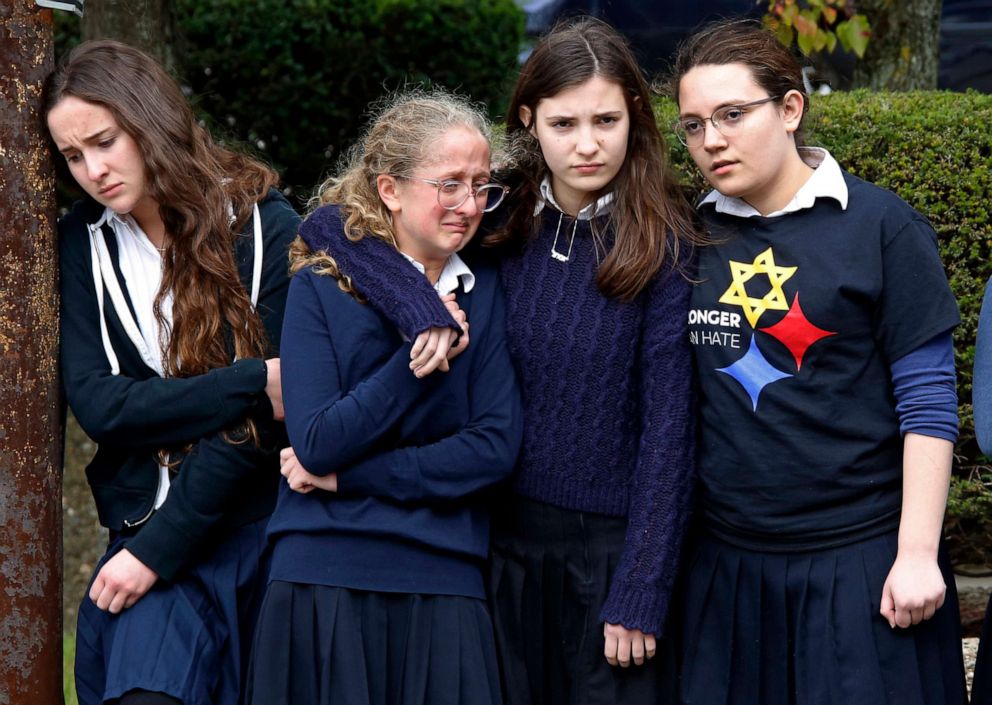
(452, 193)
(727, 120)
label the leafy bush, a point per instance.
(294, 78)
(934, 149)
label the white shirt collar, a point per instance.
(125, 223)
(455, 272)
(827, 181)
(600, 207)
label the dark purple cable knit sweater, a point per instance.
(608, 419)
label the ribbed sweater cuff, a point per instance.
(392, 285)
(634, 607)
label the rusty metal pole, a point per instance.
(30, 423)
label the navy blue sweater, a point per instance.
(606, 394)
(412, 456)
(135, 413)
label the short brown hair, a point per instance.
(773, 65)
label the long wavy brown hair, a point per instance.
(651, 217)
(205, 193)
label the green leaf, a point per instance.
(820, 40)
(854, 34)
(784, 34)
(806, 24)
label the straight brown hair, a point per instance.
(651, 218)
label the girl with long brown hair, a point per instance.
(593, 257)
(173, 285)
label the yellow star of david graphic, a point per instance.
(742, 272)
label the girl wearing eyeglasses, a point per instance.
(376, 591)
(821, 330)
(592, 252)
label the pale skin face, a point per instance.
(105, 161)
(583, 134)
(760, 162)
(423, 229)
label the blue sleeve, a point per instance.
(481, 453)
(981, 394)
(925, 389)
(331, 425)
(380, 274)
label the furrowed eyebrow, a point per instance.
(95, 137)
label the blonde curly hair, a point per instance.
(401, 136)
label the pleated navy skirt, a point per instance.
(550, 574)
(805, 629)
(981, 687)
(190, 638)
(319, 645)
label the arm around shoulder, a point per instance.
(478, 455)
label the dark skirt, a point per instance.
(551, 570)
(190, 638)
(805, 629)
(318, 645)
(981, 687)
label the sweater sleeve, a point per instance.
(662, 482)
(925, 388)
(329, 425)
(380, 274)
(126, 411)
(211, 474)
(481, 453)
(201, 494)
(982, 390)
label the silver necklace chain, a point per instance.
(555, 254)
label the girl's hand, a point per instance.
(122, 581)
(913, 591)
(435, 346)
(273, 387)
(625, 645)
(299, 479)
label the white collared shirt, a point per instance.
(827, 181)
(141, 264)
(600, 207)
(455, 272)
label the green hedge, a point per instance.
(934, 149)
(294, 77)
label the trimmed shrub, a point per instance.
(294, 78)
(934, 149)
